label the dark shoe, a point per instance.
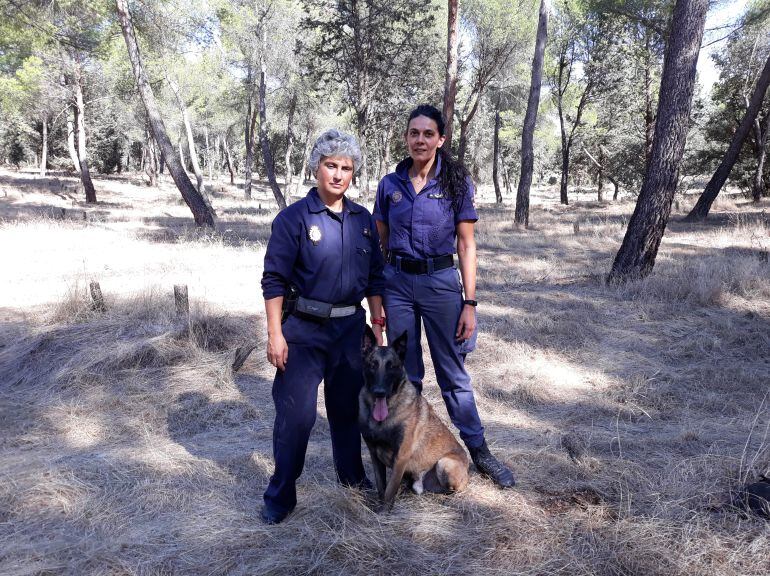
(271, 517)
(488, 465)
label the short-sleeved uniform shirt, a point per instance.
(328, 256)
(421, 225)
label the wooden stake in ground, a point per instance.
(202, 212)
(702, 207)
(97, 297)
(636, 256)
(181, 300)
(530, 119)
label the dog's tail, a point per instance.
(452, 473)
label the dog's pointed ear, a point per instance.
(368, 342)
(399, 345)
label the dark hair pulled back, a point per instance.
(453, 176)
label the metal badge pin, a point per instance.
(314, 234)
(366, 232)
(396, 197)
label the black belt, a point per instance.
(427, 266)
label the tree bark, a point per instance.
(305, 159)
(267, 154)
(229, 160)
(208, 154)
(289, 173)
(248, 134)
(361, 117)
(701, 209)
(496, 158)
(85, 174)
(183, 108)
(44, 151)
(530, 119)
(200, 208)
(636, 256)
(649, 116)
(603, 173)
(450, 81)
(182, 159)
(71, 141)
(150, 155)
(758, 185)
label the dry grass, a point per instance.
(128, 446)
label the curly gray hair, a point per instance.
(335, 143)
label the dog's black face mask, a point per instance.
(383, 370)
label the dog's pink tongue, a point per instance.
(380, 411)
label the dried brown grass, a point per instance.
(129, 446)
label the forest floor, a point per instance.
(129, 446)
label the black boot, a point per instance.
(271, 516)
(488, 465)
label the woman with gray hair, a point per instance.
(322, 259)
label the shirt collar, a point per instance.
(402, 169)
(316, 205)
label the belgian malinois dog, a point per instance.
(401, 429)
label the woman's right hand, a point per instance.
(277, 350)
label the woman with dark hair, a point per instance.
(425, 213)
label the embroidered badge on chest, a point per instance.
(314, 234)
(396, 197)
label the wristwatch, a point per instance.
(471, 303)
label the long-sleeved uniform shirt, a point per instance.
(328, 256)
(420, 225)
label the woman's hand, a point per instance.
(377, 329)
(277, 350)
(467, 323)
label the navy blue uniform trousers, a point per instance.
(331, 352)
(436, 300)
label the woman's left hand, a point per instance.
(467, 323)
(377, 329)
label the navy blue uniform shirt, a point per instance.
(421, 225)
(329, 257)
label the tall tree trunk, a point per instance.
(600, 178)
(758, 185)
(636, 256)
(496, 157)
(71, 140)
(361, 117)
(248, 131)
(267, 154)
(289, 173)
(564, 166)
(649, 116)
(530, 119)
(208, 154)
(200, 208)
(85, 174)
(450, 81)
(150, 164)
(603, 172)
(190, 139)
(462, 147)
(44, 151)
(701, 209)
(229, 160)
(305, 159)
(182, 159)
